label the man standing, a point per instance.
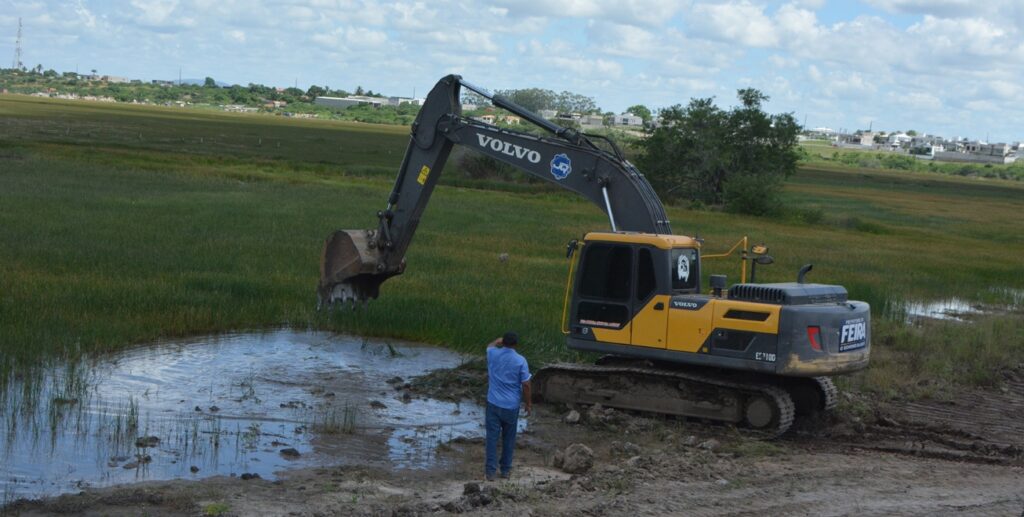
(508, 378)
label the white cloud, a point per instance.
(741, 22)
(633, 12)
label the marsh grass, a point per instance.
(335, 419)
(107, 240)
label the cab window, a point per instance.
(685, 269)
(645, 280)
(606, 272)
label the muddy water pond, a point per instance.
(238, 404)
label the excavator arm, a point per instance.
(355, 262)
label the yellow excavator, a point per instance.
(754, 355)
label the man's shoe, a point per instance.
(505, 475)
(489, 477)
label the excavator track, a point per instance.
(829, 393)
(760, 410)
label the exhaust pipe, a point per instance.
(352, 268)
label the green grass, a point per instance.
(109, 240)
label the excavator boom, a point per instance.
(354, 263)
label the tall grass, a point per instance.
(107, 240)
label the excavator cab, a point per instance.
(639, 295)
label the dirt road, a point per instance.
(961, 457)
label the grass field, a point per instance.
(123, 224)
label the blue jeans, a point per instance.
(500, 422)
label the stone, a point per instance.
(558, 460)
(290, 452)
(578, 458)
(376, 404)
(573, 417)
(193, 469)
(470, 488)
(247, 476)
(626, 448)
(710, 444)
(147, 441)
(690, 441)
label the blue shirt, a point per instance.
(506, 373)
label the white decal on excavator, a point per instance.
(508, 148)
(853, 335)
(683, 268)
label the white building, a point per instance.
(627, 119)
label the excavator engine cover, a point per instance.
(351, 269)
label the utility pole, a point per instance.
(17, 49)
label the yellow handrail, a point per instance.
(742, 244)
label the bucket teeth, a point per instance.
(351, 269)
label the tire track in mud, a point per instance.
(997, 417)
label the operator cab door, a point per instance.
(603, 298)
(650, 299)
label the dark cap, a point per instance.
(510, 339)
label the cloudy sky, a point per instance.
(951, 67)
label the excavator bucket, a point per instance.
(351, 269)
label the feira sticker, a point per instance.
(424, 172)
(683, 268)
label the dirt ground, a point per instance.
(959, 457)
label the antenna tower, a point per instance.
(17, 49)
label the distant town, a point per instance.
(367, 106)
(923, 146)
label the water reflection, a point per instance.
(224, 405)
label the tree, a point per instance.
(209, 83)
(737, 158)
(359, 90)
(316, 91)
(641, 111)
(911, 133)
(533, 99)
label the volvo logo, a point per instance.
(508, 148)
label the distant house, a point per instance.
(466, 106)
(592, 120)
(115, 79)
(548, 114)
(627, 119)
(898, 139)
(487, 119)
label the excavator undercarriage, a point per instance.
(762, 407)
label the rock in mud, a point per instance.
(214, 409)
(396, 380)
(710, 445)
(376, 404)
(690, 441)
(626, 448)
(131, 465)
(290, 453)
(147, 441)
(577, 459)
(470, 488)
(247, 476)
(573, 417)
(193, 469)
